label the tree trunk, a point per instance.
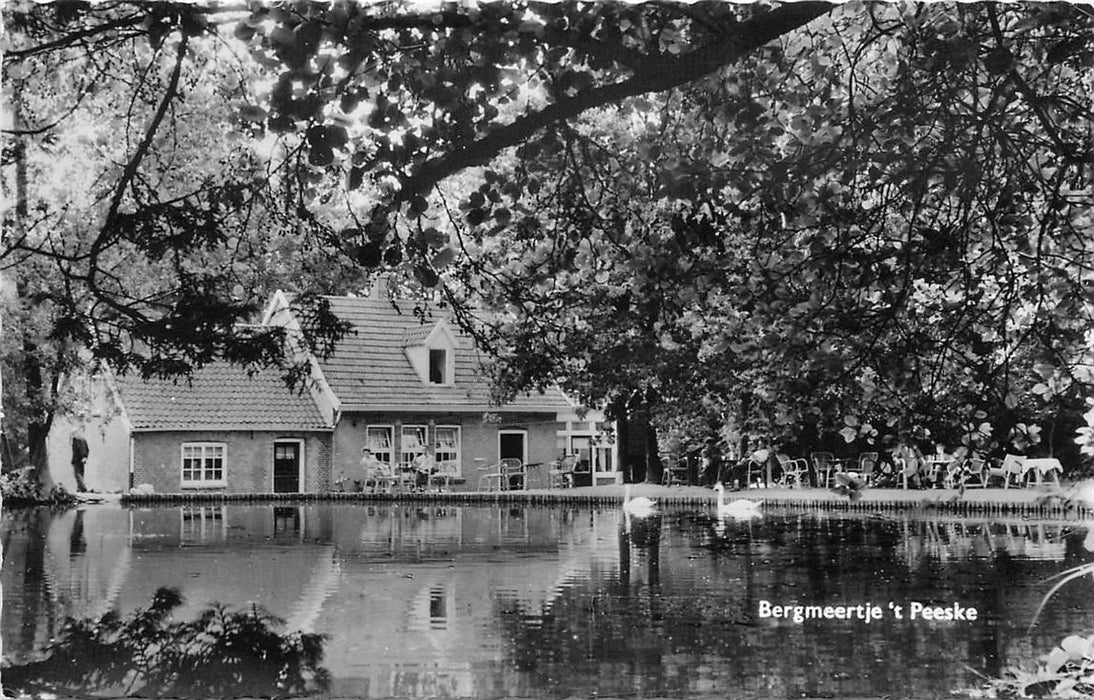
(38, 423)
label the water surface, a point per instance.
(491, 602)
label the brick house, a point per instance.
(395, 383)
(223, 430)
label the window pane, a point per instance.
(378, 439)
(437, 366)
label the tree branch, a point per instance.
(655, 74)
(106, 233)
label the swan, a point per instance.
(741, 508)
(639, 507)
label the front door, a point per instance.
(286, 467)
(511, 444)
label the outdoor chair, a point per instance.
(822, 465)
(512, 471)
(445, 473)
(866, 463)
(756, 473)
(1011, 468)
(955, 474)
(794, 471)
(562, 475)
(376, 479)
(675, 474)
(489, 476)
(974, 473)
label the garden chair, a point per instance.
(445, 473)
(956, 473)
(756, 473)
(974, 473)
(489, 476)
(562, 476)
(866, 463)
(511, 470)
(380, 478)
(822, 465)
(1011, 468)
(794, 471)
(675, 473)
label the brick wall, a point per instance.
(157, 459)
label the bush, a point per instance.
(220, 654)
(1065, 672)
(21, 487)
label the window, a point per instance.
(448, 444)
(413, 443)
(203, 464)
(378, 438)
(438, 366)
(203, 523)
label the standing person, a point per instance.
(709, 465)
(911, 460)
(79, 460)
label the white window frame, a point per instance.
(201, 523)
(386, 456)
(203, 457)
(442, 454)
(408, 456)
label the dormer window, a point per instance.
(432, 352)
(438, 366)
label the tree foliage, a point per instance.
(795, 218)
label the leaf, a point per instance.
(252, 113)
(1055, 659)
(434, 238)
(443, 259)
(1077, 647)
(426, 276)
(356, 176)
(849, 434)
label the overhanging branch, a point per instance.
(655, 74)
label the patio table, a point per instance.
(1040, 470)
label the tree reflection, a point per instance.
(218, 654)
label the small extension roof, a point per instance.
(220, 396)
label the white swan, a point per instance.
(741, 508)
(638, 507)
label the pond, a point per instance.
(552, 602)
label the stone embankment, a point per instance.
(1045, 502)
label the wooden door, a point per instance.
(286, 467)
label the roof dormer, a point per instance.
(432, 352)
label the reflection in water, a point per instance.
(424, 600)
(148, 654)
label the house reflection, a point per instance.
(448, 601)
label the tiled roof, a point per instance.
(220, 396)
(370, 368)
